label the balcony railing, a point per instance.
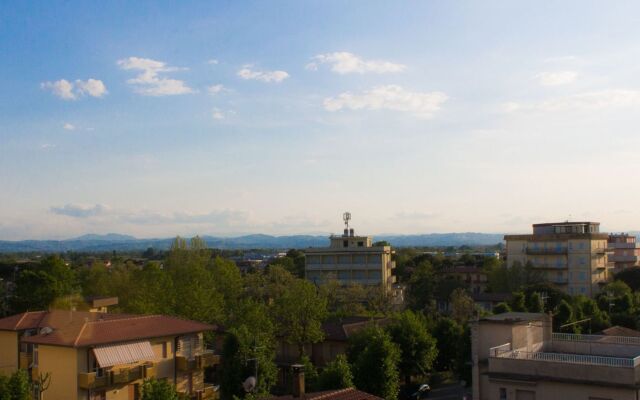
(504, 351)
(573, 337)
(210, 392)
(90, 380)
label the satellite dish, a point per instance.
(249, 384)
(46, 330)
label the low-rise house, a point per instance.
(98, 356)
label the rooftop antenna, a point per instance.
(346, 217)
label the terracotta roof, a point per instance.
(340, 394)
(79, 328)
(620, 331)
(342, 329)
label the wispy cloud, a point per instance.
(556, 78)
(79, 210)
(212, 61)
(389, 97)
(215, 89)
(247, 72)
(588, 101)
(149, 81)
(67, 90)
(219, 114)
(347, 63)
(69, 127)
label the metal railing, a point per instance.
(576, 337)
(504, 351)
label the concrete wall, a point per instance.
(556, 391)
(8, 352)
(62, 364)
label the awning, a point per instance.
(108, 356)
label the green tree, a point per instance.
(153, 389)
(422, 287)
(518, 303)
(310, 374)
(95, 280)
(299, 313)
(418, 349)
(462, 306)
(535, 303)
(336, 374)
(18, 386)
(449, 335)
(251, 338)
(227, 280)
(374, 358)
(5, 394)
(155, 293)
(501, 308)
(630, 276)
(564, 315)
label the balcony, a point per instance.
(548, 251)
(550, 266)
(120, 376)
(89, 380)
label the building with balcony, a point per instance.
(99, 356)
(625, 252)
(516, 356)
(572, 255)
(352, 259)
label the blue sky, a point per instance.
(213, 117)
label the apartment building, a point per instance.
(99, 356)
(516, 356)
(352, 259)
(572, 255)
(625, 252)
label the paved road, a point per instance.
(448, 392)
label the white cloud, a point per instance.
(556, 78)
(69, 127)
(46, 146)
(62, 88)
(588, 101)
(246, 72)
(91, 87)
(215, 89)
(213, 61)
(149, 82)
(390, 97)
(346, 63)
(217, 113)
(80, 210)
(70, 91)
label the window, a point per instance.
(164, 349)
(344, 275)
(583, 290)
(344, 259)
(374, 275)
(345, 243)
(583, 276)
(358, 259)
(360, 244)
(503, 394)
(374, 259)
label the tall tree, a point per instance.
(462, 306)
(449, 335)
(336, 375)
(19, 386)
(153, 389)
(422, 287)
(418, 349)
(374, 358)
(299, 313)
(535, 303)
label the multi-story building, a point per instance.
(572, 255)
(351, 259)
(625, 251)
(99, 356)
(516, 356)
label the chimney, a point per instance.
(298, 381)
(352, 232)
(346, 232)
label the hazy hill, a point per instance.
(113, 241)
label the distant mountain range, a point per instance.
(117, 242)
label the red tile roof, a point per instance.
(79, 328)
(342, 329)
(620, 331)
(340, 394)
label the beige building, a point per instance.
(625, 252)
(572, 255)
(351, 259)
(98, 356)
(516, 356)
